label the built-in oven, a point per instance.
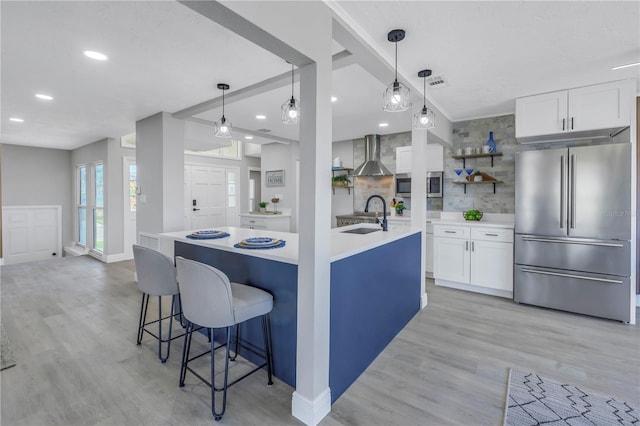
(434, 185)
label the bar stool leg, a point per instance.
(185, 353)
(217, 416)
(163, 359)
(266, 332)
(237, 339)
(143, 316)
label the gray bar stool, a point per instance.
(156, 277)
(211, 301)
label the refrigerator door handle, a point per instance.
(563, 195)
(586, 243)
(581, 277)
(572, 195)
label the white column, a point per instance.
(160, 174)
(312, 398)
(419, 195)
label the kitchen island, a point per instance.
(374, 291)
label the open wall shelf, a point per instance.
(464, 157)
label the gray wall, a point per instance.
(38, 176)
(277, 156)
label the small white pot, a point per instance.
(477, 178)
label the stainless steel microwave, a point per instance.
(434, 185)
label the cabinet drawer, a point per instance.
(451, 231)
(492, 234)
(250, 221)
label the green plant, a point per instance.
(262, 204)
(478, 173)
(400, 207)
(341, 180)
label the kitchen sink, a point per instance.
(361, 230)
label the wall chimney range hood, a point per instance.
(372, 165)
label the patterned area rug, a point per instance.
(535, 400)
(6, 354)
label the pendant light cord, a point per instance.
(396, 43)
(222, 103)
(291, 80)
(424, 92)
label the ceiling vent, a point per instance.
(437, 81)
(263, 130)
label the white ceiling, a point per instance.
(165, 57)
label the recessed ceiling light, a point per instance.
(634, 64)
(44, 97)
(333, 99)
(16, 119)
(383, 125)
(248, 137)
(261, 117)
(95, 55)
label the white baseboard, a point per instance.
(311, 412)
(75, 251)
(475, 288)
(117, 257)
(423, 301)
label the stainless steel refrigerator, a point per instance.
(573, 230)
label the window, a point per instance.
(233, 151)
(98, 207)
(132, 188)
(231, 188)
(82, 205)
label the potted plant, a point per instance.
(400, 208)
(341, 180)
(263, 206)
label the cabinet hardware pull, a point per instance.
(581, 277)
(587, 243)
(563, 120)
(473, 245)
(451, 232)
(491, 235)
(195, 210)
(466, 246)
(571, 123)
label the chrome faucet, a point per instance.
(384, 210)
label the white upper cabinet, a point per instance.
(541, 114)
(575, 113)
(434, 158)
(598, 107)
(403, 159)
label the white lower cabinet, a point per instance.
(474, 258)
(428, 252)
(271, 223)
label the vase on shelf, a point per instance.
(491, 143)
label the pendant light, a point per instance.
(291, 107)
(396, 97)
(224, 127)
(425, 119)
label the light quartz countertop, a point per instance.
(343, 245)
(489, 220)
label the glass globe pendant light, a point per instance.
(425, 119)
(224, 127)
(291, 108)
(396, 97)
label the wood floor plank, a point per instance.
(72, 323)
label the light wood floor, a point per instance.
(72, 323)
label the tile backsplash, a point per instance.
(475, 133)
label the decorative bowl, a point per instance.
(472, 215)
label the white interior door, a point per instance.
(207, 200)
(31, 233)
(130, 202)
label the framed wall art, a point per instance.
(274, 178)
